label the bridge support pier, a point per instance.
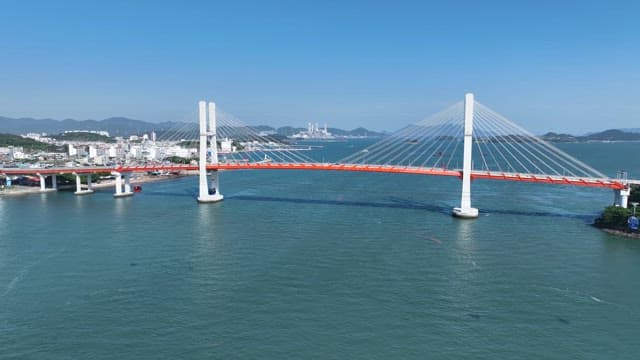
(127, 183)
(79, 190)
(208, 194)
(465, 210)
(119, 182)
(43, 183)
(621, 197)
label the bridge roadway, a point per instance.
(615, 184)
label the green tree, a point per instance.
(28, 144)
(71, 179)
(614, 217)
(83, 136)
(635, 195)
(177, 160)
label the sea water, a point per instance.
(326, 265)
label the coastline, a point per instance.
(621, 233)
(19, 190)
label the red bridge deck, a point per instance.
(476, 174)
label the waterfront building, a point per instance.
(314, 132)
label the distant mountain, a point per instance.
(555, 137)
(122, 126)
(607, 135)
(263, 128)
(355, 132)
(631, 130)
(613, 135)
(116, 126)
(289, 131)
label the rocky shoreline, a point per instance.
(621, 233)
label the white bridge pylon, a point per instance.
(465, 210)
(208, 136)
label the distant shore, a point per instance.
(17, 190)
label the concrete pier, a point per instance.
(43, 183)
(79, 189)
(465, 210)
(621, 197)
(119, 192)
(208, 194)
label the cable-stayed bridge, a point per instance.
(468, 140)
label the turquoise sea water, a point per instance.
(324, 265)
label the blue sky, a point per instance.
(547, 65)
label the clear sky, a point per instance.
(547, 65)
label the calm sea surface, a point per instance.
(321, 265)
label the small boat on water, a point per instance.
(137, 188)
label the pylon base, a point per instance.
(468, 213)
(210, 198)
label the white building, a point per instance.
(17, 153)
(226, 145)
(34, 136)
(72, 150)
(103, 133)
(135, 151)
(100, 160)
(181, 152)
(112, 152)
(150, 153)
(314, 132)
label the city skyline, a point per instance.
(569, 67)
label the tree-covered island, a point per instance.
(615, 219)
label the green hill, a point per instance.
(607, 135)
(27, 144)
(83, 136)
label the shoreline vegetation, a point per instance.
(613, 219)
